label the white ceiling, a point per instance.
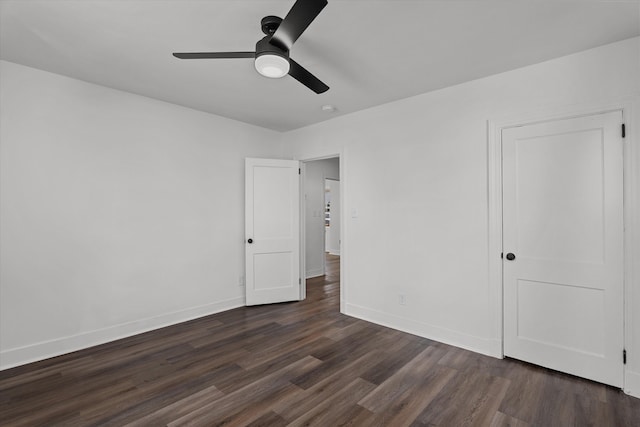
(368, 52)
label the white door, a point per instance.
(563, 223)
(272, 231)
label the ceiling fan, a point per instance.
(272, 52)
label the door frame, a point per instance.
(629, 107)
(343, 240)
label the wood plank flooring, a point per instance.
(298, 364)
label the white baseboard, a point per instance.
(632, 383)
(317, 272)
(56, 347)
(489, 347)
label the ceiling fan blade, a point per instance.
(302, 13)
(214, 55)
(306, 78)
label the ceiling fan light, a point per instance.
(272, 66)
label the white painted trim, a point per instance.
(630, 107)
(484, 346)
(552, 113)
(494, 224)
(303, 230)
(344, 265)
(334, 253)
(632, 383)
(631, 118)
(315, 273)
(47, 349)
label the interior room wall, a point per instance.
(315, 174)
(420, 229)
(118, 213)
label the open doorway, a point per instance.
(322, 240)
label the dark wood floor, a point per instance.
(298, 364)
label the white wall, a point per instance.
(315, 174)
(118, 213)
(415, 171)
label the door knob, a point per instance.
(250, 241)
(511, 256)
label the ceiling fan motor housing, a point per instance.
(263, 47)
(270, 24)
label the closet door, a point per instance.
(563, 245)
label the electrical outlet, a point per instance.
(241, 281)
(402, 299)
